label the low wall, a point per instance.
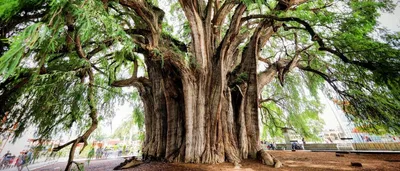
(320, 147)
(392, 146)
(395, 146)
(310, 147)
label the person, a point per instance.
(368, 139)
(7, 154)
(272, 146)
(119, 152)
(293, 146)
(6, 159)
(106, 153)
(29, 157)
(21, 161)
(98, 153)
(91, 153)
(330, 140)
(304, 141)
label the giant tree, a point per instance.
(201, 87)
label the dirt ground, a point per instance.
(299, 160)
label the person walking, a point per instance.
(29, 157)
(21, 161)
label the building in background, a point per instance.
(346, 129)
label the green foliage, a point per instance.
(241, 78)
(43, 80)
(21, 44)
(153, 2)
(350, 28)
(98, 135)
(138, 117)
(273, 119)
(141, 136)
(259, 4)
(90, 154)
(10, 8)
(291, 107)
(125, 129)
(373, 94)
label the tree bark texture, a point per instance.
(204, 110)
(197, 117)
(207, 116)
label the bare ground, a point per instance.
(299, 160)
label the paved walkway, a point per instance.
(60, 163)
(92, 165)
(32, 166)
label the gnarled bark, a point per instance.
(205, 111)
(191, 119)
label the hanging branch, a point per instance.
(92, 105)
(271, 99)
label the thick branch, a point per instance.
(270, 99)
(58, 148)
(150, 14)
(315, 37)
(220, 16)
(142, 9)
(106, 43)
(136, 82)
(266, 77)
(91, 103)
(323, 75)
(200, 39)
(232, 33)
(326, 77)
(222, 12)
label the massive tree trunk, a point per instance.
(204, 110)
(201, 117)
(197, 117)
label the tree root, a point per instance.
(268, 159)
(128, 163)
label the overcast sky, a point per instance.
(392, 20)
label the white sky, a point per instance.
(391, 21)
